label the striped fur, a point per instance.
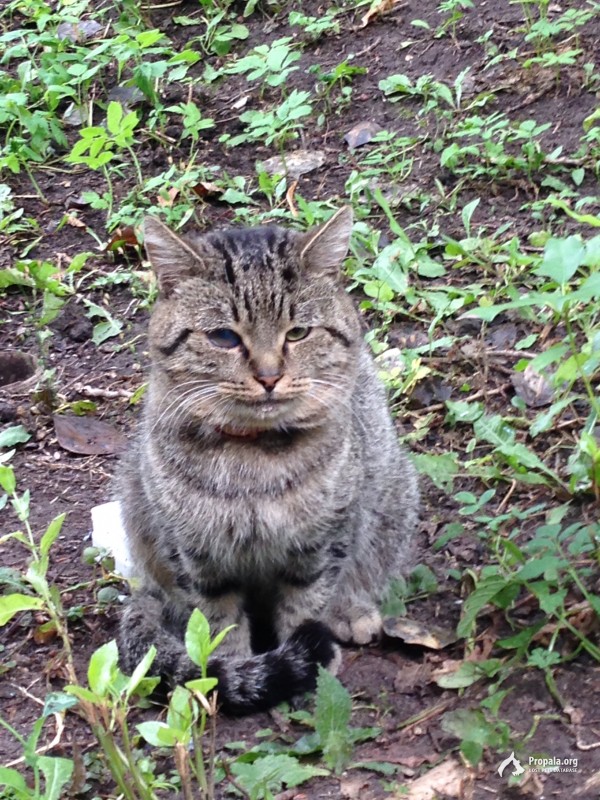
(266, 486)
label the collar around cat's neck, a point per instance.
(241, 434)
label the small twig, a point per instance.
(60, 724)
(475, 396)
(582, 746)
(368, 50)
(507, 497)
(233, 781)
(422, 716)
(96, 391)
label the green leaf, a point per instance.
(103, 667)
(202, 685)
(542, 565)
(51, 533)
(562, 258)
(81, 693)
(14, 780)
(333, 709)
(440, 469)
(467, 214)
(114, 115)
(159, 733)
(461, 411)
(467, 674)
(197, 639)
(220, 636)
(57, 772)
(588, 219)
(56, 702)
(7, 479)
(267, 775)
(15, 435)
(486, 590)
(544, 659)
(179, 713)
(140, 672)
(12, 604)
(382, 767)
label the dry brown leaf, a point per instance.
(45, 632)
(352, 788)
(122, 238)
(532, 387)
(74, 221)
(295, 164)
(377, 9)
(449, 779)
(411, 676)
(413, 632)
(206, 189)
(362, 133)
(289, 197)
(167, 202)
(87, 436)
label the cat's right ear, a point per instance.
(325, 248)
(172, 258)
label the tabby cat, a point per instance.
(266, 486)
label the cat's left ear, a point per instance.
(172, 258)
(324, 248)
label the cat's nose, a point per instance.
(268, 379)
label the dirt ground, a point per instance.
(391, 682)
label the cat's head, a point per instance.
(253, 330)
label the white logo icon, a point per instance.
(511, 760)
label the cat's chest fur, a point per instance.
(245, 506)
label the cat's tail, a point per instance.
(257, 683)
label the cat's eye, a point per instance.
(296, 334)
(224, 337)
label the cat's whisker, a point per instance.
(177, 407)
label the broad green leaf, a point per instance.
(7, 479)
(102, 668)
(56, 702)
(114, 115)
(12, 604)
(57, 772)
(269, 774)
(542, 565)
(179, 713)
(202, 685)
(15, 435)
(493, 429)
(440, 469)
(466, 675)
(333, 709)
(81, 693)
(14, 780)
(159, 733)
(461, 411)
(197, 638)
(562, 258)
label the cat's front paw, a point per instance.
(356, 626)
